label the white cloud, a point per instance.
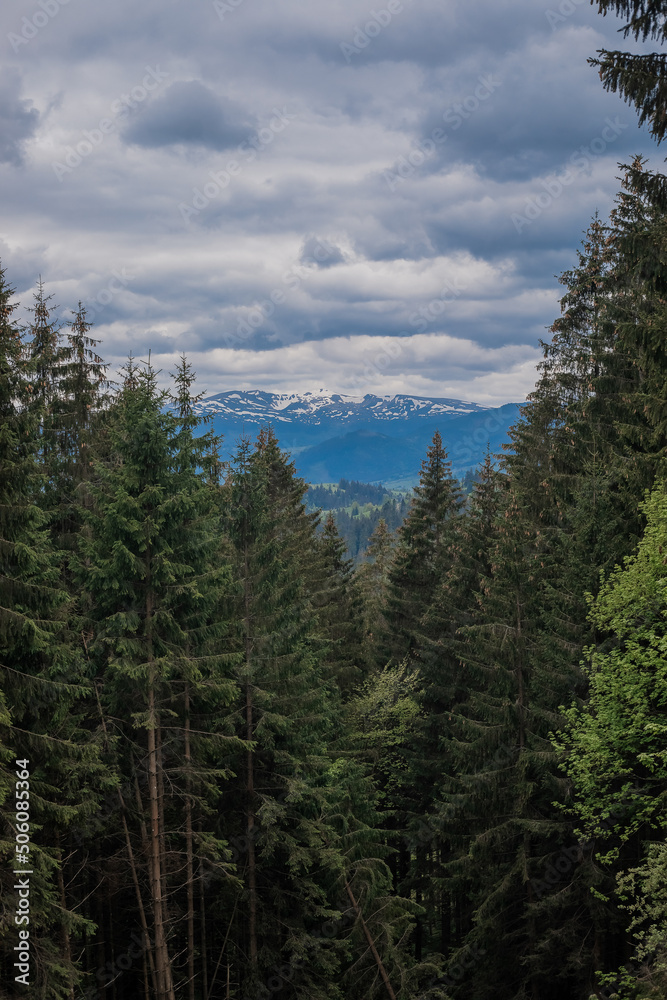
(438, 257)
(424, 364)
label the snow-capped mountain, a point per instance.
(315, 408)
(368, 438)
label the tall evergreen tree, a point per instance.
(284, 715)
(41, 676)
(374, 580)
(444, 686)
(640, 78)
(502, 779)
(147, 568)
(79, 410)
(44, 349)
(339, 607)
(421, 556)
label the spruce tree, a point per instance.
(284, 715)
(41, 677)
(374, 579)
(421, 555)
(502, 777)
(45, 357)
(444, 686)
(639, 78)
(149, 570)
(80, 409)
(339, 607)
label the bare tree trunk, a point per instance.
(112, 944)
(64, 933)
(162, 963)
(161, 957)
(148, 947)
(371, 944)
(163, 825)
(100, 942)
(189, 850)
(250, 787)
(202, 929)
(142, 823)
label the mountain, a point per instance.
(369, 438)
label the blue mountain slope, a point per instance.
(371, 456)
(369, 438)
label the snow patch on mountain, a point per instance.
(257, 406)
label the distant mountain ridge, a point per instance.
(373, 439)
(314, 408)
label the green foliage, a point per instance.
(277, 771)
(422, 554)
(617, 742)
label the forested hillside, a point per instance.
(357, 510)
(232, 766)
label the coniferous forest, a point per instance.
(234, 766)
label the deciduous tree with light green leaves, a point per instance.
(616, 746)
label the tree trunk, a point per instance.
(161, 954)
(64, 933)
(162, 963)
(189, 851)
(371, 944)
(148, 947)
(250, 788)
(202, 929)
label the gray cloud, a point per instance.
(308, 254)
(190, 114)
(18, 119)
(321, 253)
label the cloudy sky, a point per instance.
(362, 197)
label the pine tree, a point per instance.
(640, 78)
(41, 677)
(147, 568)
(284, 716)
(374, 580)
(44, 350)
(339, 607)
(421, 556)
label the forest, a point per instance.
(234, 765)
(357, 510)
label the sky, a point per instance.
(354, 196)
